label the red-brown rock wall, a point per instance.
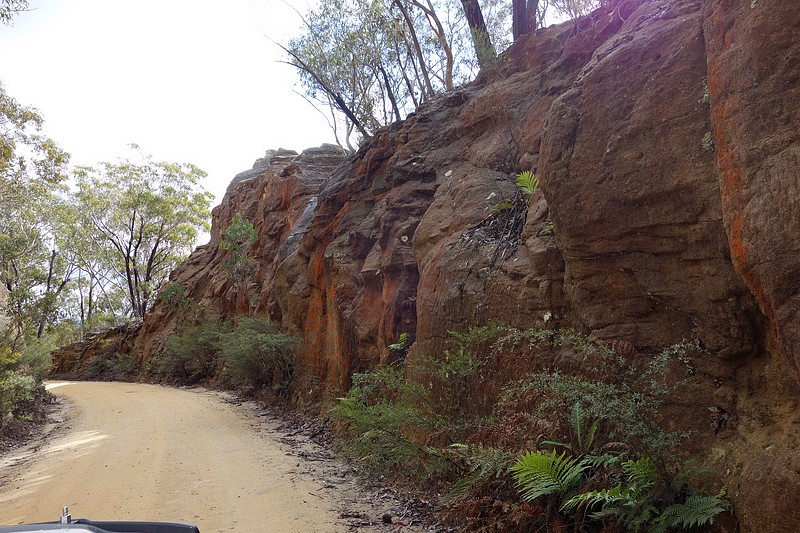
(635, 195)
(754, 85)
(665, 137)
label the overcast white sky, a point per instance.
(188, 80)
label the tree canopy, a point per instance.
(143, 219)
(9, 8)
(368, 63)
(32, 171)
(87, 245)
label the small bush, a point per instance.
(251, 354)
(22, 396)
(257, 355)
(37, 356)
(15, 390)
(192, 356)
(378, 419)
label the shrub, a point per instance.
(379, 419)
(256, 354)
(174, 297)
(37, 356)
(15, 390)
(192, 356)
(21, 394)
(426, 422)
(252, 354)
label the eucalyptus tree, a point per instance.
(32, 169)
(9, 8)
(144, 218)
(371, 62)
(572, 9)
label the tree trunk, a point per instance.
(523, 17)
(46, 306)
(484, 49)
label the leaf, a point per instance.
(484, 462)
(695, 511)
(539, 474)
(527, 182)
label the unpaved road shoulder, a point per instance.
(145, 452)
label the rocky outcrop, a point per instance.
(665, 137)
(103, 356)
(754, 86)
(278, 195)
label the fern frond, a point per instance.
(602, 461)
(485, 464)
(603, 498)
(641, 474)
(539, 474)
(527, 182)
(502, 206)
(695, 511)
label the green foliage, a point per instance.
(694, 512)
(707, 142)
(252, 353)
(622, 398)
(372, 62)
(32, 168)
(36, 354)
(633, 504)
(18, 389)
(483, 465)
(192, 356)
(15, 389)
(527, 182)
(581, 435)
(541, 474)
(436, 420)
(548, 229)
(256, 354)
(145, 218)
(630, 503)
(400, 345)
(174, 298)
(378, 417)
(238, 239)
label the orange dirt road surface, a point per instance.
(125, 451)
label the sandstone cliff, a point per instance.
(665, 135)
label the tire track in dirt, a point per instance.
(129, 451)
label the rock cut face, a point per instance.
(754, 85)
(665, 137)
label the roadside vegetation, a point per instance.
(512, 443)
(249, 354)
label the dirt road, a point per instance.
(145, 452)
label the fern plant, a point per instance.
(695, 512)
(527, 182)
(581, 437)
(484, 464)
(631, 503)
(541, 474)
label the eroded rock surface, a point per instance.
(665, 137)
